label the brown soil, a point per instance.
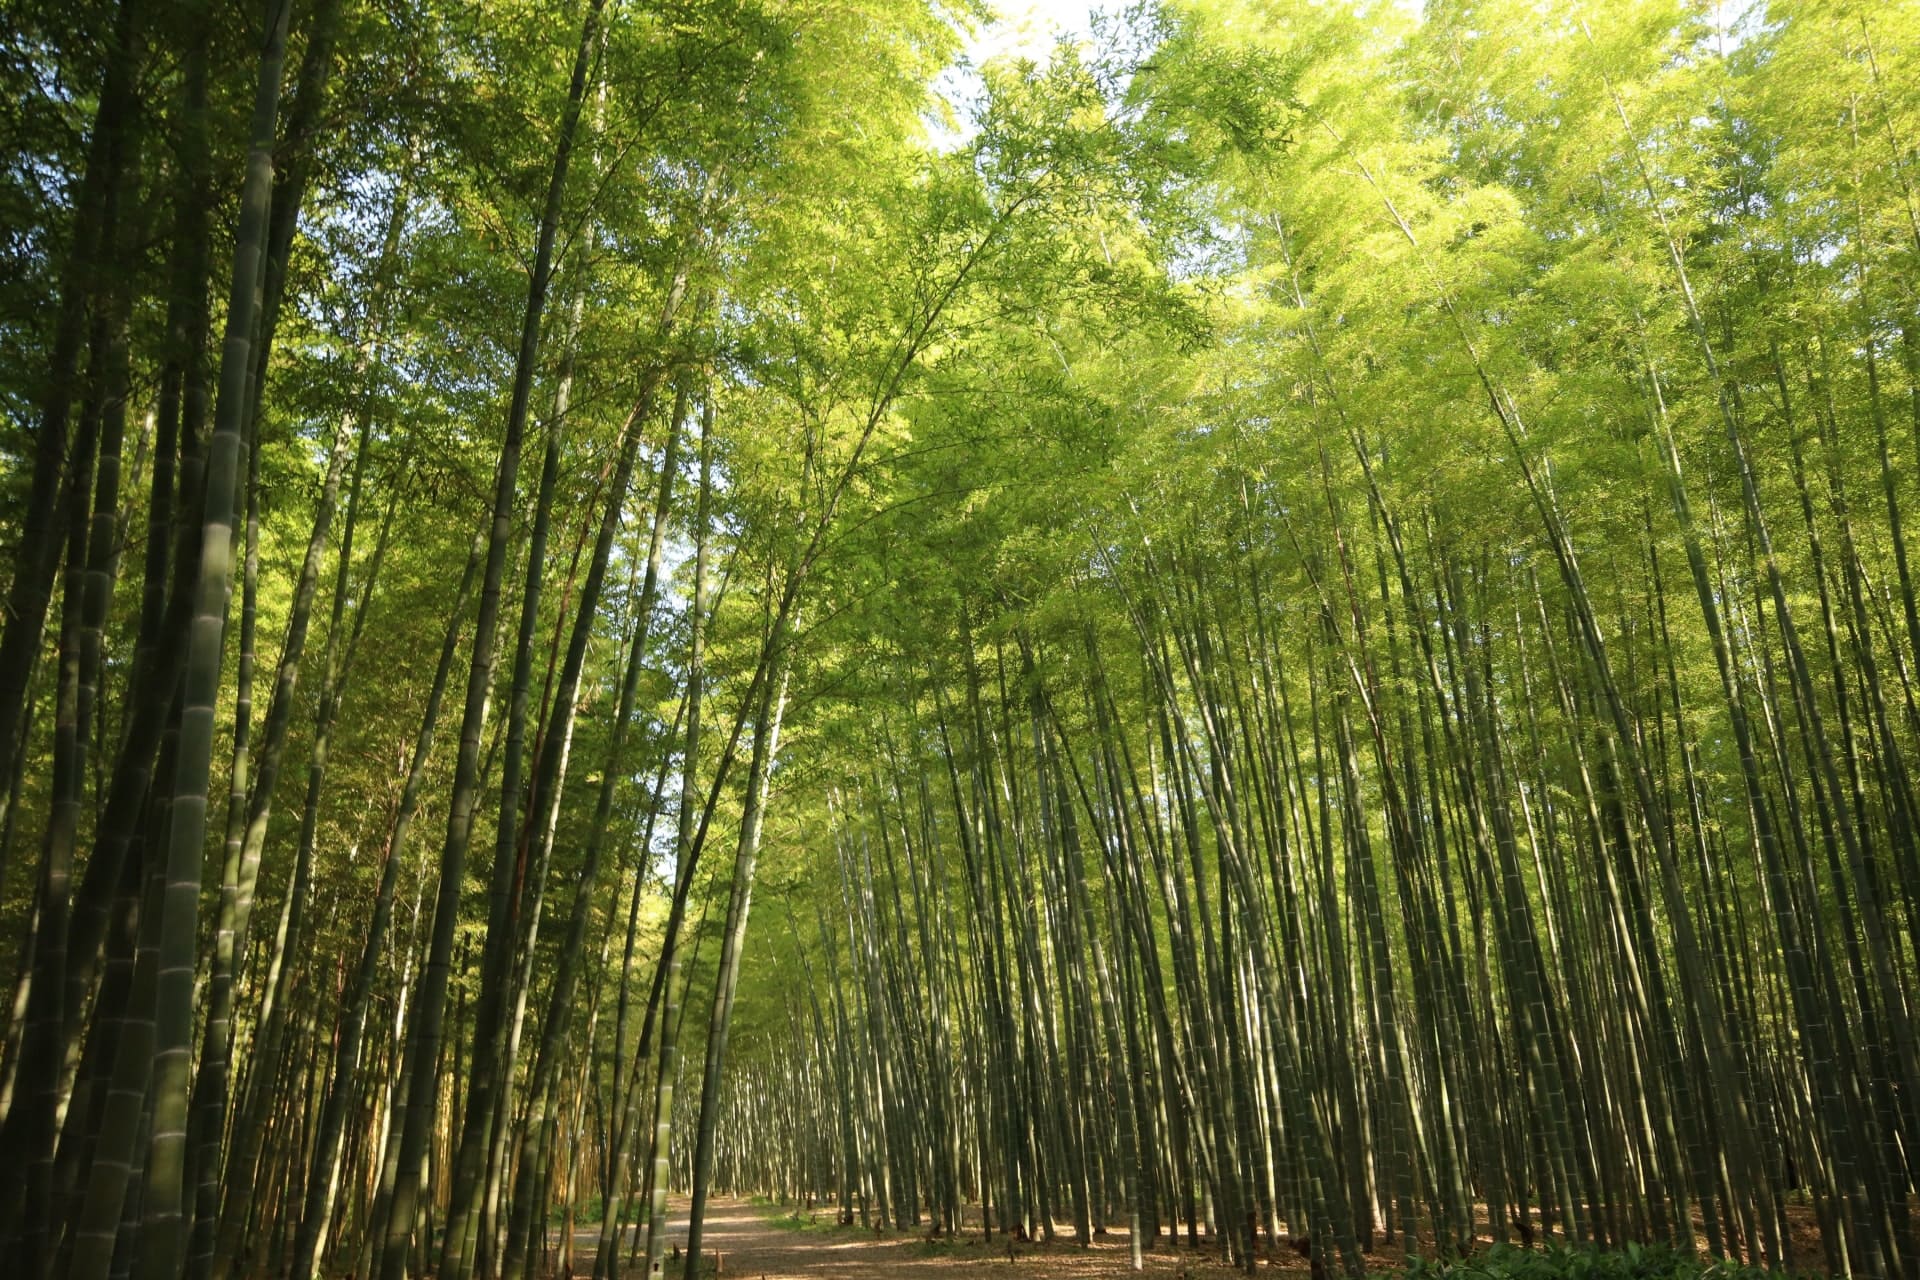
(759, 1242)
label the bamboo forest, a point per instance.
(870, 638)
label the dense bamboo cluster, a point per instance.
(284, 1039)
(1298, 617)
(1452, 781)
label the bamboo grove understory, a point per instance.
(1291, 621)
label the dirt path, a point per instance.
(765, 1242)
(758, 1242)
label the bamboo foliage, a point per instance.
(1298, 633)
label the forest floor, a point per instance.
(757, 1241)
(754, 1240)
